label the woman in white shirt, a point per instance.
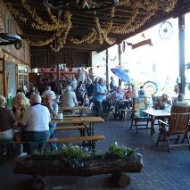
(68, 98)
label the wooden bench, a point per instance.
(81, 128)
(91, 140)
(71, 127)
(75, 139)
(74, 115)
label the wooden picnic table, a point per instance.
(74, 115)
(87, 122)
(81, 120)
(81, 109)
(155, 114)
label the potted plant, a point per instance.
(117, 151)
(74, 161)
(74, 156)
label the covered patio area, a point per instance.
(161, 170)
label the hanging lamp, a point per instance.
(10, 39)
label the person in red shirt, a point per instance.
(130, 93)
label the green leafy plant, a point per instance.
(95, 154)
(131, 151)
(73, 155)
(119, 151)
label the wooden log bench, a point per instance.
(42, 166)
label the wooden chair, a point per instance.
(176, 126)
(180, 108)
(138, 117)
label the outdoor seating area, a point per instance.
(79, 126)
(94, 95)
(160, 168)
(85, 126)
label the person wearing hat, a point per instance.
(52, 106)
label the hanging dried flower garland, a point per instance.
(99, 32)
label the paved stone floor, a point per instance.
(161, 170)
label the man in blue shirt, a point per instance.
(99, 93)
(141, 92)
(118, 95)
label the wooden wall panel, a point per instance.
(46, 58)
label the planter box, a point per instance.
(51, 166)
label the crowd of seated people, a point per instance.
(162, 102)
(33, 130)
(165, 102)
(74, 95)
(29, 117)
(118, 99)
